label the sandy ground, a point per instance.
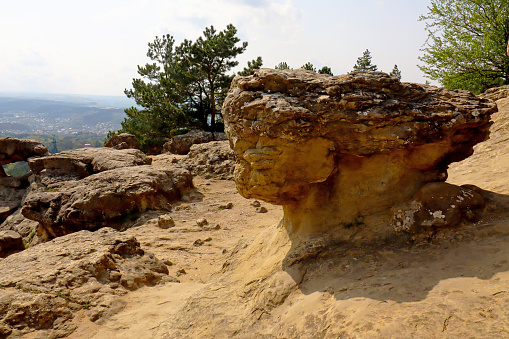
(457, 287)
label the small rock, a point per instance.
(228, 206)
(167, 262)
(10, 242)
(256, 203)
(182, 207)
(202, 222)
(165, 221)
(181, 271)
(261, 210)
(198, 242)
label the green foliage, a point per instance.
(251, 67)
(466, 45)
(184, 86)
(325, 70)
(17, 169)
(282, 65)
(395, 72)
(309, 66)
(364, 63)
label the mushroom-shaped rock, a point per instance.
(339, 152)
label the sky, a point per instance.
(94, 46)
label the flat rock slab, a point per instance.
(105, 199)
(43, 286)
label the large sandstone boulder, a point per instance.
(105, 199)
(44, 286)
(341, 152)
(212, 159)
(80, 163)
(181, 144)
(122, 141)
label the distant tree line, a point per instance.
(363, 64)
(308, 66)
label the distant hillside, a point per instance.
(61, 114)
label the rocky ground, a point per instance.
(235, 279)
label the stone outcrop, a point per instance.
(123, 141)
(105, 199)
(340, 153)
(14, 150)
(212, 159)
(44, 286)
(10, 200)
(10, 242)
(496, 93)
(80, 163)
(181, 144)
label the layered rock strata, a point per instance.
(341, 153)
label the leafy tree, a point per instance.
(309, 66)
(325, 70)
(184, 86)
(364, 63)
(251, 67)
(395, 72)
(466, 45)
(282, 65)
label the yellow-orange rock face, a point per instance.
(340, 152)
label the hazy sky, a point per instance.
(94, 47)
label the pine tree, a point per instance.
(251, 67)
(364, 63)
(309, 66)
(395, 72)
(184, 86)
(325, 70)
(282, 65)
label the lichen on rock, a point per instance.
(340, 152)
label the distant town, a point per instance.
(60, 114)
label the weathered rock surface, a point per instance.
(339, 152)
(10, 242)
(105, 199)
(215, 159)
(10, 200)
(14, 150)
(43, 286)
(122, 141)
(181, 144)
(80, 163)
(437, 205)
(26, 227)
(496, 93)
